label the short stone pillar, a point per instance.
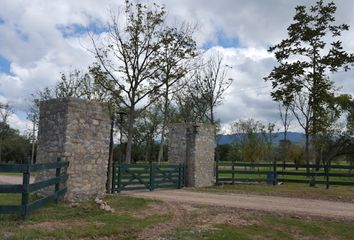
(77, 131)
(192, 144)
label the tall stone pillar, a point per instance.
(77, 131)
(192, 144)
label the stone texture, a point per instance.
(193, 144)
(77, 131)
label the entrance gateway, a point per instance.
(78, 131)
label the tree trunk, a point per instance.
(128, 153)
(160, 157)
(164, 123)
(307, 157)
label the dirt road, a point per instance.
(293, 206)
(4, 179)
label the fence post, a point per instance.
(275, 175)
(217, 172)
(179, 176)
(152, 176)
(183, 175)
(312, 175)
(119, 182)
(327, 174)
(233, 171)
(25, 192)
(57, 185)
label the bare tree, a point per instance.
(209, 85)
(304, 116)
(285, 117)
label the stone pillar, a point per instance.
(78, 131)
(193, 145)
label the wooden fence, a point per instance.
(147, 176)
(328, 174)
(26, 188)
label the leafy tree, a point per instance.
(5, 112)
(178, 48)
(305, 60)
(295, 154)
(16, 148)
(133, 59)
(254, 140)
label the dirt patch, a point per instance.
(178, 215)
(197, 217)
(152, 210)
(284, 205)
(232, 219)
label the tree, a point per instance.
(178, 48)
(133, 59)
(5, 112)
(305, 60)
(209, 85)
(253, 139)
(286, 118)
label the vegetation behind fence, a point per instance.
(232, 172)
(26, 188)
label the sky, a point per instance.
(39, 39)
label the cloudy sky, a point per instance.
(39, 39)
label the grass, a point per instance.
(63, 221)
(87, 221)
(345, 193)
(10, 174)
(272, 227)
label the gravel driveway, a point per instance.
(4, 179)
(293, 206)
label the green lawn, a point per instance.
(10, 174)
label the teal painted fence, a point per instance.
(26, 188)
(312, 174)
(147, 176)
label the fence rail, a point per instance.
(327, 174)
(26, 187)
(147, 176)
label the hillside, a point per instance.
(294, 137)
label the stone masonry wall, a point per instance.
(78, 131)
(193, 144)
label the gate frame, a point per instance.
(157, 176)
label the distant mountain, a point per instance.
(294, 137)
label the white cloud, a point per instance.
(18, 123)
(32, 41)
